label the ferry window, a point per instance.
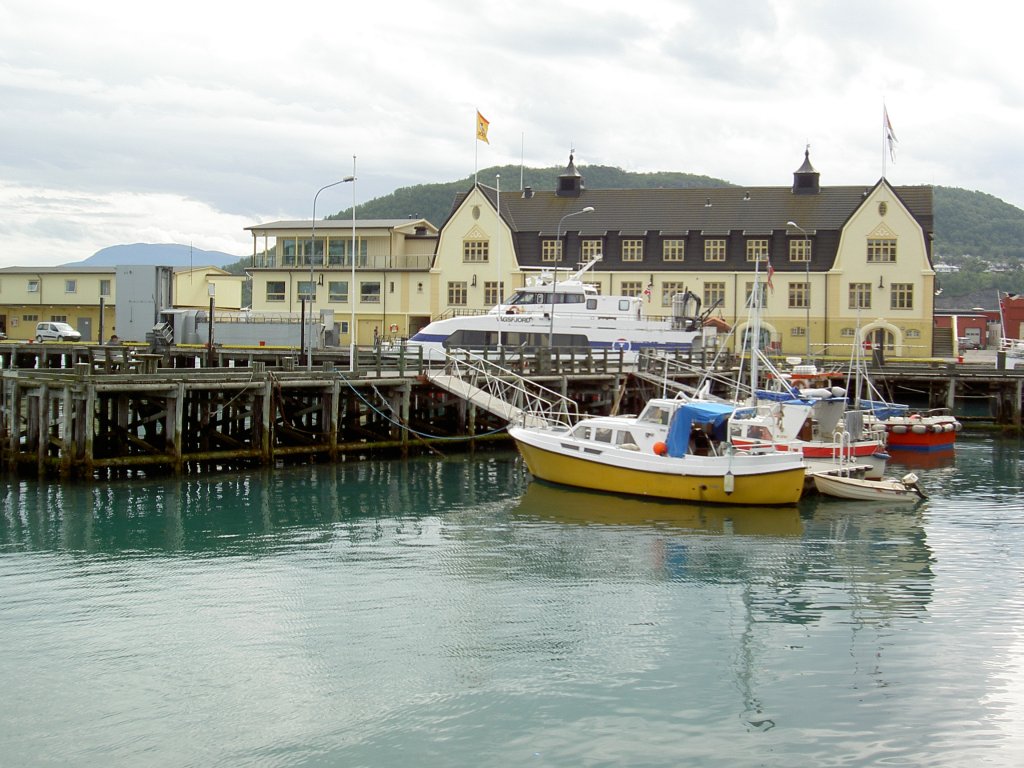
(337, 291)
(570, 340)
(275, 290)
(602, 435)
(581, 433)
(623, 305)
(591, 303)
(369, 293)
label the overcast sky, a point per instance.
(129, 122)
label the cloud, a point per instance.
(141, 114)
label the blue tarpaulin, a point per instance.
(699, 412)
(883, 410)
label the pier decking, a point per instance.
(88, 411)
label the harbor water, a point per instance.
(450, 612)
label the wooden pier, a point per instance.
(102, 412)
(86, 411)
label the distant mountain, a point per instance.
(159, 254)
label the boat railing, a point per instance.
(529, 401)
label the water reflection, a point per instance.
(254, 512)
(569, 505)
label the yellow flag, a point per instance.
(481, 127)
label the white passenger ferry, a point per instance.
(568, 315)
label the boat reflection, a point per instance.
(572, 505)
(921, 459)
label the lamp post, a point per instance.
(554, 279)
(352, 287)
(312, 251)
(807, 268)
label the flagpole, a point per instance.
(885, 136)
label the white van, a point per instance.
(56, 332)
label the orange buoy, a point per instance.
(660, 448)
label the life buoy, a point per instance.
(515, 310)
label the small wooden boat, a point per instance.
(905, 489)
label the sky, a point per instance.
(185, 122)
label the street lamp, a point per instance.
(554, 278)
(352, 287)
(807, 267)
(312, 251)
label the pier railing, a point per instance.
(508, 393)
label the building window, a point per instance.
(633, 250)
(551, 250)
(860, 295)
(800, 250)
(30, 318)
(713, 292)
(275, 290)
(494, 292)
(913, 333)
(673, 250)
(632, 288)
(476, 251)
(757, 250)
(846, 332)
(799, 295)
(749, 292)
(33, 286)
(313, 252)
(457, 293)
(58, 318)
(590, 249)
(714, 250)
(337, 291)
(307, 291)
(70, 286)
(104, 287)
(668, 290)
(369, 293)
(881, 250)
(339, 251)
(288, 251)
(797, 330)
(901, 296)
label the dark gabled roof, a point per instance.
(717, 210)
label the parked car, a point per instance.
(966, 342)
(56, 332)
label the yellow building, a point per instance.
(29, 295)
(299, 261)
(848, 264)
